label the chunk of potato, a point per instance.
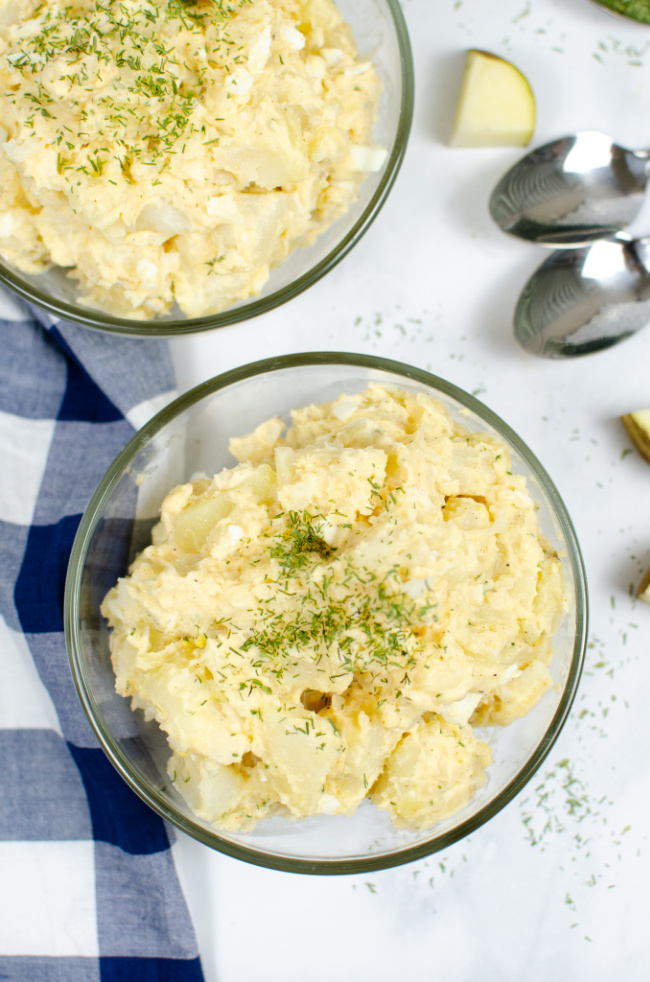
(194, 523)
(518, 697)
(432, 773)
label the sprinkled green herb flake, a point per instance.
(339, 602)
(133, 87)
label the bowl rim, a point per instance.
(92, 517)
(97, 319)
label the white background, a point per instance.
(555, 887)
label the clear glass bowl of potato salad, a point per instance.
(326, 613)
(175, 167)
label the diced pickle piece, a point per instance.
(638, 429)
(496, 106)
(643, 589)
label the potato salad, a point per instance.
(330, 619)
(169, 153)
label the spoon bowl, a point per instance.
(586, 299)
(572, 191)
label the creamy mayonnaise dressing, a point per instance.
(169, 152)
(328, 620)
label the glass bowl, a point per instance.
(381, 36)
(191, 435)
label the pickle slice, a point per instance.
(638, 429)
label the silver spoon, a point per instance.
(572, 191)
(586, 299)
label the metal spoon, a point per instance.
(572, 191)
(587, 299)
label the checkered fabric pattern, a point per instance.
(88, 888)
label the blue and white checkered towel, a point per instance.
(88, 888)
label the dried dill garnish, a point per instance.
(299, 541)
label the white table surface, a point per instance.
(556, 886)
